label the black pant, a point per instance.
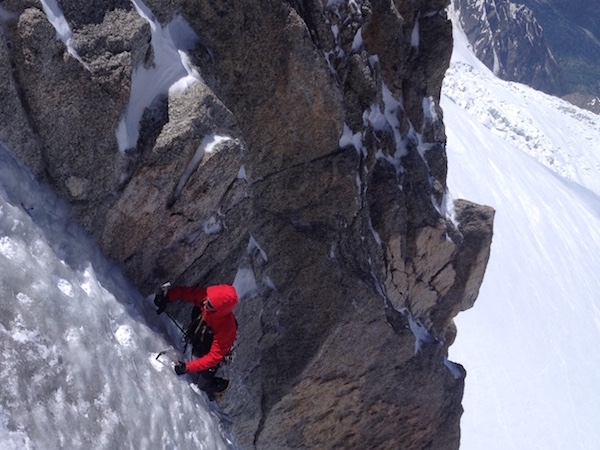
(201, 337)
(210, 383)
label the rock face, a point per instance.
(308, 156)
(508, 39)
(586, 101)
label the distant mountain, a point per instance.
(550, 45)
(507, 38)
(572, 30)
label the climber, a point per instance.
(212, 331)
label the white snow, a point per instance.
(358, 42)
(380, 117)
(529, 345)
(420, 332)
(414, 36)
(77, 365)
(242, 173)
(352, 139)
(253, 245)
(429, 111)
(207, 146)
(170, 74)
(245, 283)
(268, 282)
(212, 226)
(63, 31)
(125, 335)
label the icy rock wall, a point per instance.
(299, 145)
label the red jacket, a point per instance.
(222, 322)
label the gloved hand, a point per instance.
(180, 368)
(161, 301)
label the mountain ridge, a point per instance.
(560, 57)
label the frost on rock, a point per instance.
(245, 283)
(421, 334)
(63, 31)
(355, 140)
(414, 37)
(208, 145)
(342, 13)
(170, 73)
(212, 226)
(253, 245)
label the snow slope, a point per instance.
(530, 344)
(77, 366)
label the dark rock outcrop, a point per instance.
(585, 101)
(309, 157)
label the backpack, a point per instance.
(198, 334)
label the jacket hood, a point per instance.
(223, 298)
